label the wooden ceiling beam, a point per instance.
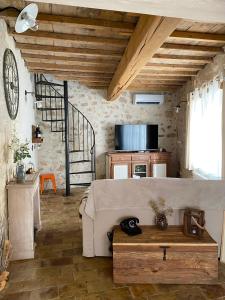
(184, 58)
(152, 88)
(46, 35)
(159, 82)
(124, 28)
(198, 36)
(193, 48)
(160, 66)
(95, 84)
(161, 77)
(59, 67)
(168, 73)
(109, 61)
(66, 73)
(69, 50)
(83, 79)
(150, 33)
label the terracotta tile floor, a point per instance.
(60, 272)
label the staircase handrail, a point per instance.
(74, 107)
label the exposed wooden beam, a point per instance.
(124, 28)
(78, 51)
(198, 36)
(166, 66)
(151, 82)
(152, 88)
(193, 48)
(108, 61)
(59, 67)
(66, 73)
(161, 77)
(150, 33)
(46, 35)
(184, 58)
(168, 73)
(83, 79)
(95, 85)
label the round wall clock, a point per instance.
(11, 83)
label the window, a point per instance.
(204, 134)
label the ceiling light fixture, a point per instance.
(27, 19)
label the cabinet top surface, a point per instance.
(136, 153)
(30, 179)
(151, 235)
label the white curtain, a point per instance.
(204, 141)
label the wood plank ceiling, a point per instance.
(87, 45)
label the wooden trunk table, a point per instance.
(168, 256)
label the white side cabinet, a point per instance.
(23, 216)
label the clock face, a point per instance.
(11, 83)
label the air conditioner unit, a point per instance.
(148, 98)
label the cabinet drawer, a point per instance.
(140, 157)
(121, 157)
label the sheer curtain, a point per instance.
(204, 141)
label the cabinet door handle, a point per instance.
(164, 251)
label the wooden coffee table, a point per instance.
(168, 256)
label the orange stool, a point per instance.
(45, 177)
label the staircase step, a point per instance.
(76, 151)
(82, 172)
(49, 109)
(81, 184)
(59, 120)
(80, 161)
(57, 130)
(49, 97)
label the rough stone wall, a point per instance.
(23, 122)
(208, 73)
(103, 115)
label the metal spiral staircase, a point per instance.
(76, 131)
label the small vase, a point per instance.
(20, 173)
(161, 221)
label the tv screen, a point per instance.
(136, 137)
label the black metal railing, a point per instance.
(76, 130)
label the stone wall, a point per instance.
(208, 73)
(23, 122)
(104, 115)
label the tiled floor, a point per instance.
(60, 272)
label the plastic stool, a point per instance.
(45, 177)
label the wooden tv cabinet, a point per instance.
(123, 165)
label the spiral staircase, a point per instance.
(76, 131)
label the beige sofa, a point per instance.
(109, 201)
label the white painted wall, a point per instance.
(24, 120)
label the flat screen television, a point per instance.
(139, 137)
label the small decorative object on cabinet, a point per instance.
(36, 135)
(130, 227)
(194, 222)
(20, 152)
(161, 213)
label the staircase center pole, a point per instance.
(66, 120)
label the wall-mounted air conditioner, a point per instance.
(148, 98)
